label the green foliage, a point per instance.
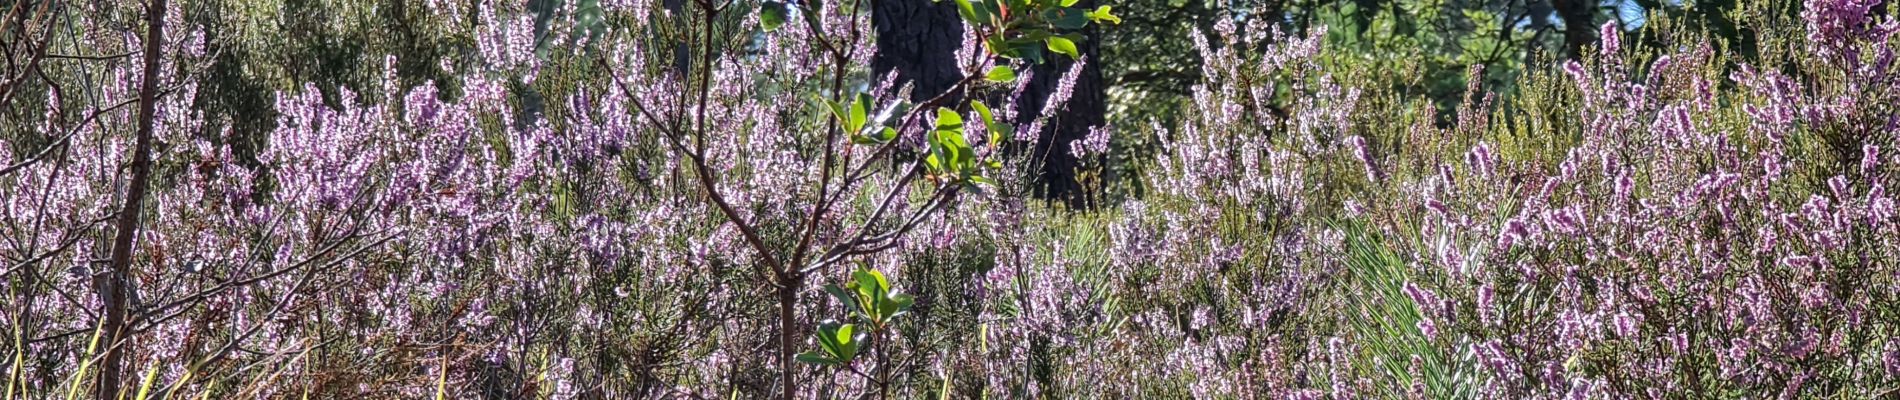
(871, 299)
(1001, 74)
(951, 158)
(838, 344)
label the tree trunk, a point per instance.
(1054, 161)
(788, 336)
(1580, 24)
(113, 284)
(918, 39)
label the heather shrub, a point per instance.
(623, 199)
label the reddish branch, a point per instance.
(112, 284)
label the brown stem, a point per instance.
(788, 337)
(112, 285)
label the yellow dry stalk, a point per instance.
(145, 387)
(442, 380)
(19, 360)
(85, 363)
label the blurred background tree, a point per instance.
(1150, 66)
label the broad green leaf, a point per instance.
(983, 110)
(1016, 4)
(828, 339)
(1063, 45)
(871, 286)
(966, 156)
(1067, 18)
(1001, 74)
(848, 341)
(813, 357)
(860, 111)
(970, 13)
(837, 110)
(1031, 51)
(772, 15)
(948, 119)
(898, 305)
(850, 300)
(883, 284)
(933, 161)
(1031, 36)
(1000, 133)
(1102, 14)
(997, 45)
(1069, 3)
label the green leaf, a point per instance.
(1101, 14)
(828, 339)
(1064, 45)
(837, 110)
(948, 119)
(772, 15)
(1067, 18)
(849, 341)
(1001, 74)
(1069, 3)
(1027, 50)
(860, 111)
(1017, 4)
(849, 299)
(871, 285)
(1000, 133)
(1031, 36)
(934, 162)
(885, 135)
(898, 305)
(983, 110)
(813, 357)
(970, 13)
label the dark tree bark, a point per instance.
(1051, 157)
(918, 39)
(112, 285)
(1580, 24)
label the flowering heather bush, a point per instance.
(627, 199)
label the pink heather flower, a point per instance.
(1771, 166)
(1358, 144)
(1487, 304)
(1426, 300)
(1417, 390)
(1096, 143)
(1481, 160)
(1338, 368)
(1064, 88)
(1625, 325)
(1834, 25)
(1427, 327)
(1870, 158)
(1612, 38)
(1624, 184)
(1880, 209)
(1576, 72)
(1890, 359)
